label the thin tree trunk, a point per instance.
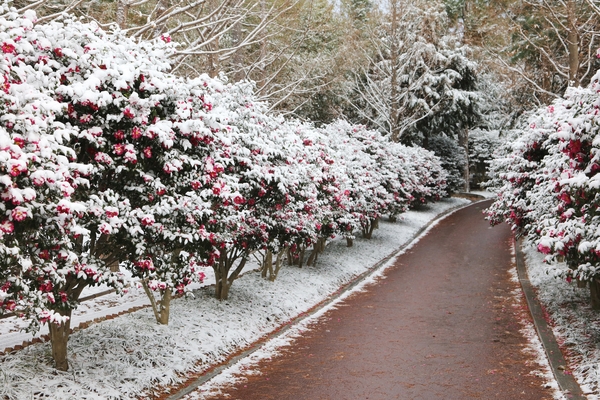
(463, 141)
(165, 306)
(595, 293)
(394, 107)
(122, 13)
(349, 242)
(278, 263)
(59, 334)
(223, 277)
(573, 44)
(267, 265)
(59, 338)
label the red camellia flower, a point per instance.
(7, 226)
(8, 48)
(136, 132)
(19, 214)
(129, 114)
(238, 200)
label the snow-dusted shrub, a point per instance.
(453, 158)
(43, 187)
(423, 176)
(550, 185)
(482, 144)
(369, 197)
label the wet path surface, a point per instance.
(441, 325)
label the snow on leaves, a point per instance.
(548, 182)
(125, 165)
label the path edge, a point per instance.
(189, 388)
(566, 382)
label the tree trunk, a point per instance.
(573, 44)
(278, 263)
(349, 242)
(223, 277)
(394, 106)
(59, 334)
(122, 13)
(165, 306)
(368, 228)
(267, 265)
(59, 337)
(463, 141)
(595, 293)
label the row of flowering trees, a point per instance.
(110, 163)
(549, 188)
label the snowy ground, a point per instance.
(125, 356)
(576, 326)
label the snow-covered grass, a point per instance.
(127, 356)
(575, 325)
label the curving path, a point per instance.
(441, 325)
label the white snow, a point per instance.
(130, 355)
(575, 325)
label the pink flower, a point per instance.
(145, 264)
(63, 209)
(105, 228)
(148, 220)
(119, 135)
(544, 249)
(130, 157)
(128, 114)
(58, 52)
(196, 185)
(148, 152)
(19, 214)
(136, 132)
(238, 200)
(103, 158)
(119, 149)
(8, 48)
(165, 38)
(7, 227)
(39, 181)
(112, 212)
(46, 287)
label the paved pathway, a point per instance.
(442, 325)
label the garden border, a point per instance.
(211, 373)
(566, 382)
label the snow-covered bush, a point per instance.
(125, 165)
(550, 189)
(44, 185)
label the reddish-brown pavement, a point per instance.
(441, 325)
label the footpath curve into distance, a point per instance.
(191, 386)
(442, 323)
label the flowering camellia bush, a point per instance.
(41, 185)
(126, 166)
(549, 185)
